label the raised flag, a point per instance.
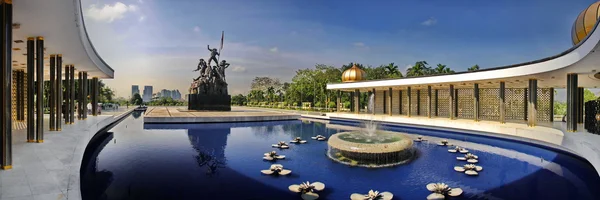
(222, 35)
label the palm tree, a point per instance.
(474, 68)
(392, 71)
(442, 69)
(419, 69)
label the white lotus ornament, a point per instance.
(469, 169)
(281, 145)
(458, 149)
(469, 157)
(372, 195)
(444, 143)
(319, 137)
(308, 189)
(298, 140)
(273, 156)
(420, 138)
(276, 169)
(440, 190)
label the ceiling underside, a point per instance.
(60, 23)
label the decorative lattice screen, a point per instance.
(466, 103)
(413, 102)
(489, 104)
(443, 104)
(515, 103)
(544, 111)
(423, 102)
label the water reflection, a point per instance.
(210, 148)
(136, 114)
(94, 182)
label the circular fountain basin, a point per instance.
(382, 149)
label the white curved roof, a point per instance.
(550, 72)
(61, 24)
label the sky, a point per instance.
(159, 42)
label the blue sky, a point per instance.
(158, 42)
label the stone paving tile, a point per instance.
(53, 196)
(15, 191)
(28, 197)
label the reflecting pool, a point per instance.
(223, 161)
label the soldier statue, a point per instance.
(213, 55)
(224, 65)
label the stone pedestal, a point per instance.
(209, 102)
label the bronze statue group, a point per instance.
(212, 78)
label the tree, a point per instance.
(392, 71)
(263, 83)
(474, 68)
(419, 69)
(588, 95)
(374, 73)
(348, 66)
(136, 99)
(239, 100)
(442, 69)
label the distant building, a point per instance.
(135, 89)
(147, 93)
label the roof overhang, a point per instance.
(582, 59)
(61, 24)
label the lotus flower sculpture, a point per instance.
(458, 149)
(308, 189)
(469, 157)
(276, 169)
(420, 138)
(444, 143)
(440, 190)
(372, 195)
(298, 140)
(273, 156)
(281, 145)
(469, 169)
(319, 137)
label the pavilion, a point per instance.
(520, 93)
(39, 39)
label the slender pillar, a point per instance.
(502, 102)
(408, 94)
(456, 103)
(21, 95)
(59, 92)
(72, 93)
(79, 96)
(19, 89)
(551, 105)
(352, 94)
(435, 104)
(525, 106)
(532, 103)
(6, 91)
(384, 102)
(30, 89)
(476, 101)
(389, 102)
(418, 102)
(356, 101)
(39, 75)
(572, 102)
(67, 95)
(451, 102)
(580, 102)
(429, 101)
(374, 101)
(85, 94)
(400, 102)
(52, 94)
(95, 96)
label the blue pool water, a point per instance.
(154, 161)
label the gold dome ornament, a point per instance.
(585, 23)
(353, 74)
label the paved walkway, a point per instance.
(237, 114)
(49, 170)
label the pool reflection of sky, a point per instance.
(152, 161)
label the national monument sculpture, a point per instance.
(209, 90)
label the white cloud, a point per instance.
(274, 50)
(429, 22)
(196, 29)
(238, 69)
(141, 1)
(406, 68)
(142, 18)
(359, 44)
(110, 13)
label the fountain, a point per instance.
(370, 147)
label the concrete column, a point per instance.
(408, 94)
(532, 103)
(59, 92)
(435, 104)
(356, 101)
(429, 101)
(52, 95)
(95, 96)
(418, 102)
(451, 98)
(85, 94)
(39, 75)
(400, 101)
(476, 101)
(338, 101)
(502, 102)
(384, 98)
(580, 102)
(78, 95)
(525, 107)
(72, 93)
(67, 95)
(389, 101)
(572, 102)
(30, 89)
(374, 101)
(19, 90)
(6, 91)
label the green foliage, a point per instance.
(473, 68)
(136, 99)
(588, 95)
(420, 68)
(165, 101)
(560, 108)
(239, 100)
(331, 104)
